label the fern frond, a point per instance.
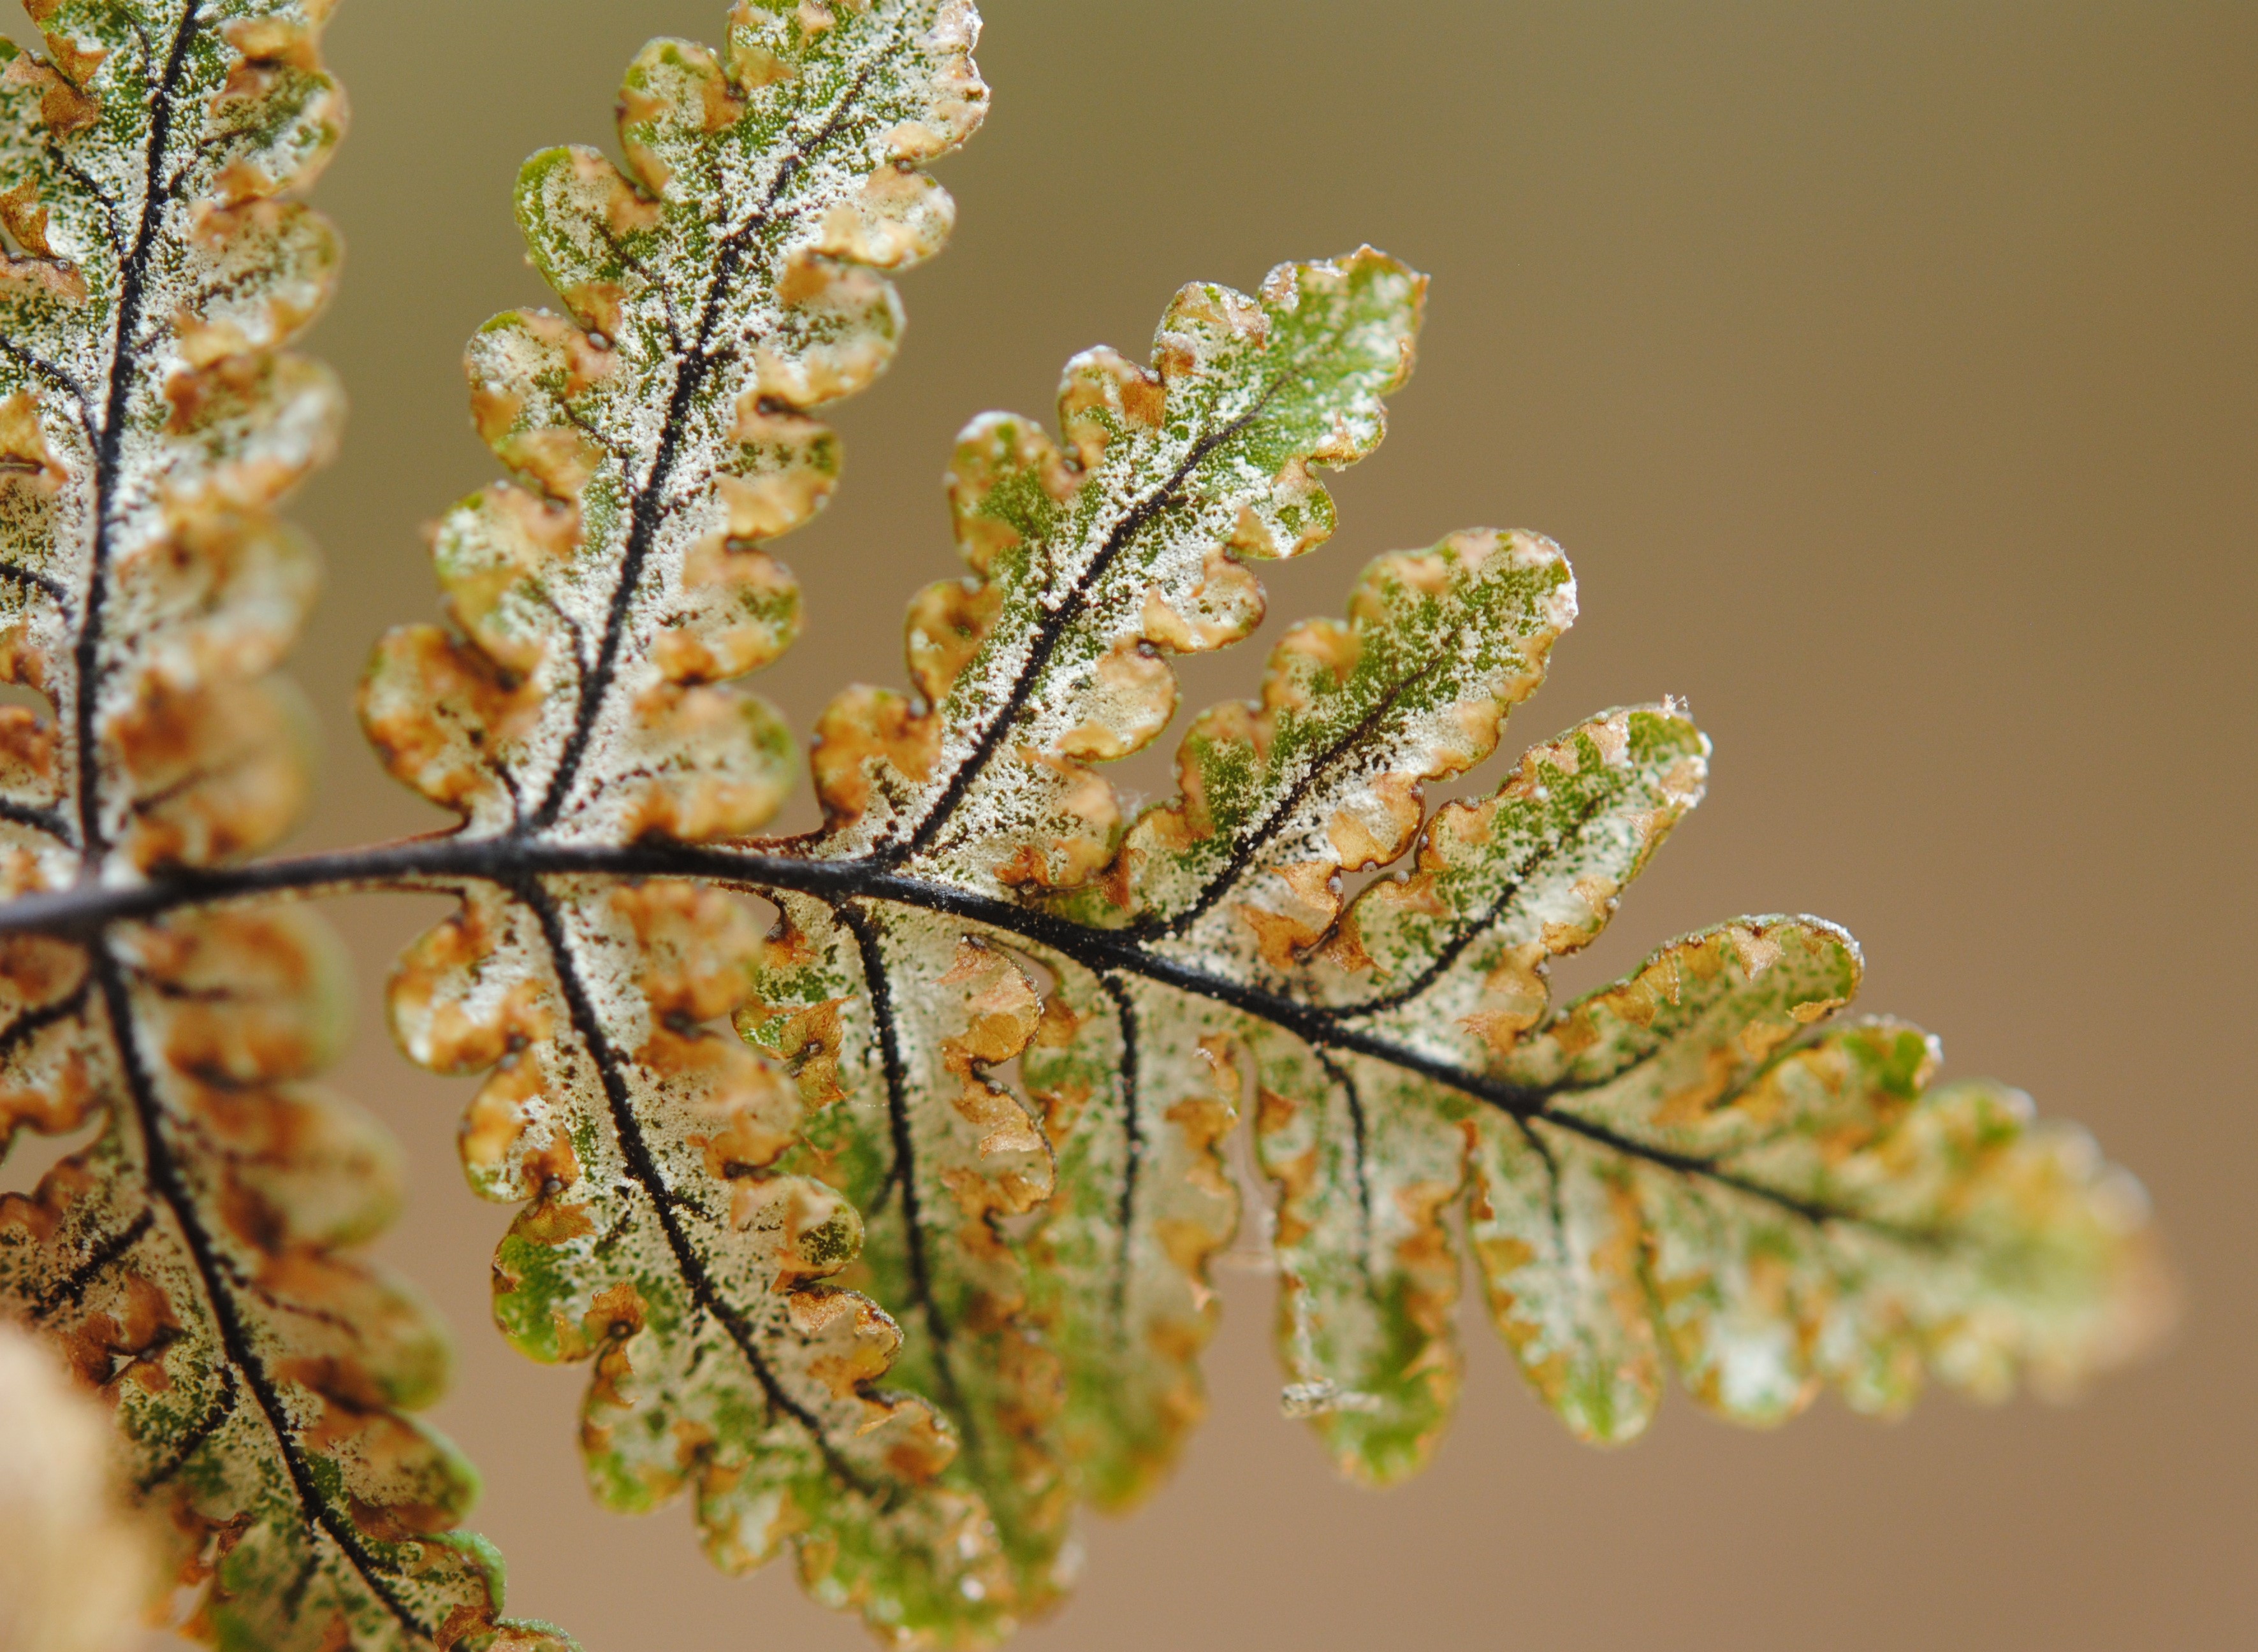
(153, 417)
(663, 1242)
(875, 1172)
(196, 1262)
(1093, 559)
(1026, 1263)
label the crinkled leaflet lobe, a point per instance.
(197, 1261)
(718, 288)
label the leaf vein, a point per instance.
(643, 1168)
(124, 365)
(165, 1180)
(1053, 631)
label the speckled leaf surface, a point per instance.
(1095, 554)
(197, 1260)
(1322, 776)
(1367, 1170)
(1139, 1090)
(1450, 956)
(150, 418)
(197, 1264)
(669, 1240)
(719, 286)
(895, 1022)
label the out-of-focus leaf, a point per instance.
(1139, 1092)
(894, 1021)
(1773, 1210)
(74, 1568)
(195, 1261)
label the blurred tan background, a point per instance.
(1889, 372)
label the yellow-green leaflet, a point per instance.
(718, 290)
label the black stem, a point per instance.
(442, 863)
(71, 1289)
(52, 589)
(62, 381)
(1553, 1204)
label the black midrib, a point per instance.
(235, 1339)
(1132, 1146)
(70, 1290)
(1555, 1207)
(642, 1165)
(877, 982)
(1469, 931)
(1359, 1147)
(650, 502)
(444, 862)
(215, 1416)
(1054, 628)
(124, 372)
(1252, 843)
